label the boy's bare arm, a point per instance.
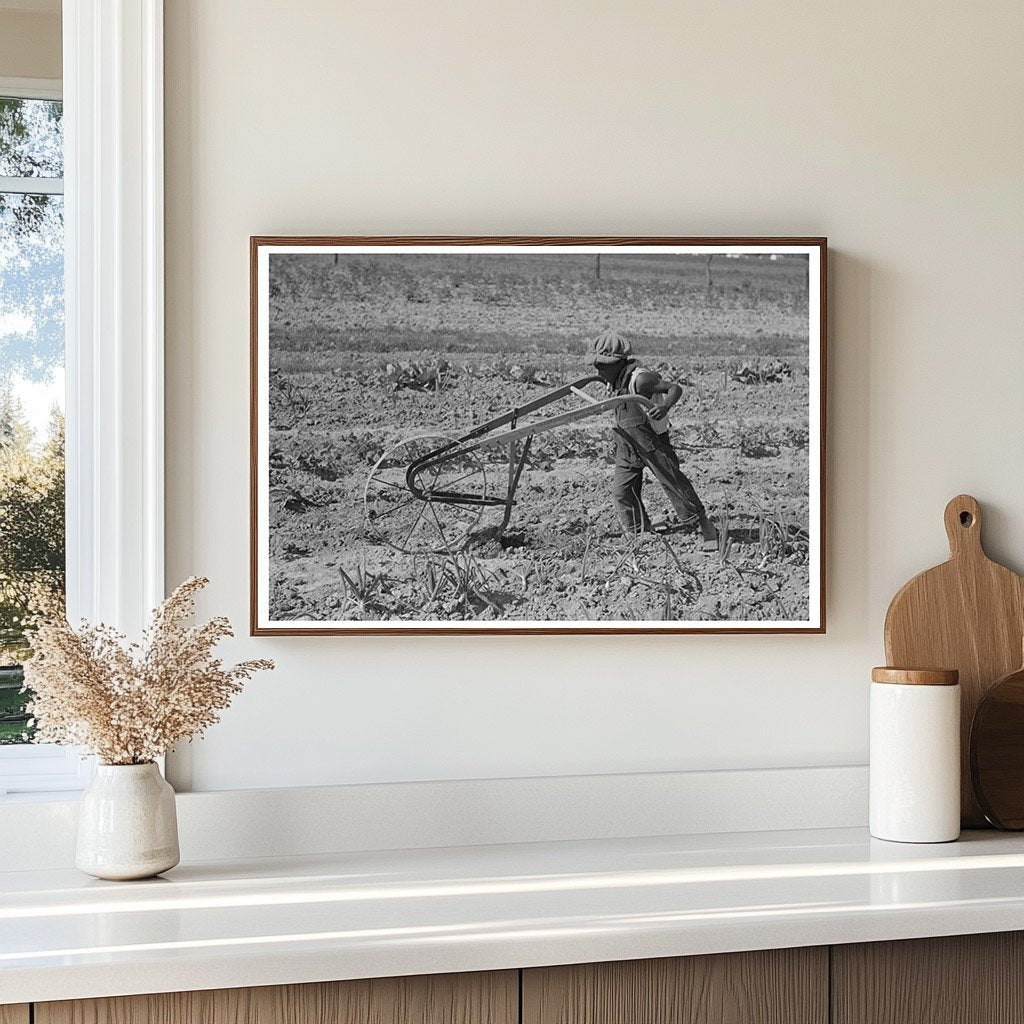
(648, 383)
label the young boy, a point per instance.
(641, 438)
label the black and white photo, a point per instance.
(567, 435)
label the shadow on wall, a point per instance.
(853, 287)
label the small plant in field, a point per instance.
(755, 371)
(757, 443)
(461, 583)
(650, 562)
(320, 465)
(677, 374)
(772, 535)
(781, 540)
(333, 460)
(667, 613)
(526, 374)
(293, 500)
(794, 437)
(428, 375)
(288, 403)
(703, 435)
(588, 538)
(356, 447)
(725, 539)
(364, 592)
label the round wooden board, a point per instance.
(997, 752)
(967, 613)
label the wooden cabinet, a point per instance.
(491, 998)
(778, 986)
(969, 979)
(962, 979)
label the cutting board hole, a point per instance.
(966, 519)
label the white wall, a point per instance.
(895, 129)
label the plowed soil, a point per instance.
(370, 351)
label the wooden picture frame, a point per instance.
(358, 343)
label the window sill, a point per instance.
(41, 797)
(38, 831)
(43, 770)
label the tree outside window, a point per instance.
(31, 386)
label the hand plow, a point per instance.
(429, 493)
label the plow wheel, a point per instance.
(414, 525)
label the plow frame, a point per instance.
(487, 435)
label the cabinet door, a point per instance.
(14, 1014)
(962, 979)
(490, 998)
(778, 986)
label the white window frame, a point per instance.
(31, 89)
(113, 222)
(39, 767)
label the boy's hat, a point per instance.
(608, 347)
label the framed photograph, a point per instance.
(537, 435)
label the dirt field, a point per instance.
(368, 351)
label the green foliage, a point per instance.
(31, 501)
(31, 543)
(31, 475)
(14, 726)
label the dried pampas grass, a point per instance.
(130, 703)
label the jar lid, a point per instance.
(916, 676)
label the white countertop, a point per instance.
(351, 915)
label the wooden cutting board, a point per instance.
(967, 614)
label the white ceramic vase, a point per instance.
(127, 825)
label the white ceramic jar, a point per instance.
(127, 823)
(915, 755)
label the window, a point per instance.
(112, 211)
(32, 530)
